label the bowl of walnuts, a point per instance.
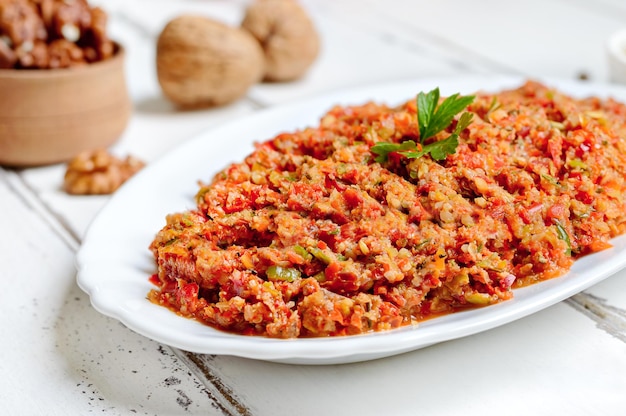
(62, 83)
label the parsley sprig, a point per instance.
(432, 119)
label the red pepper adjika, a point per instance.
(309, 236)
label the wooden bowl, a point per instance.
(48, 116)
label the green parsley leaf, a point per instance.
(382, 149)
(439, 150)
(438, 118)
(426, 105)
(431, 119)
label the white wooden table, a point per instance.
(58, 356)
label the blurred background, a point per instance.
(372, 41)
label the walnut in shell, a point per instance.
(287, 36)
(202, 62)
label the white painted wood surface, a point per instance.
(60, 357)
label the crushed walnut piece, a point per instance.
(98, 172)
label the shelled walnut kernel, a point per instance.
(98, 173)
(49, 34)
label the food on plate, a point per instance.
(288, 36)
(98, 172)
(48, 34)
(202, 62)
(381, 217)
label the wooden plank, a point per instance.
(554, 362)
(60, 356)
(605, 304)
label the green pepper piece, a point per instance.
(320, 277)
(563, 235)
(301, 251)
(282, 274)
(321, 255)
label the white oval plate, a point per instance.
(114, 263)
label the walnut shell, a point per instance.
(287, 35)
(201, 62)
